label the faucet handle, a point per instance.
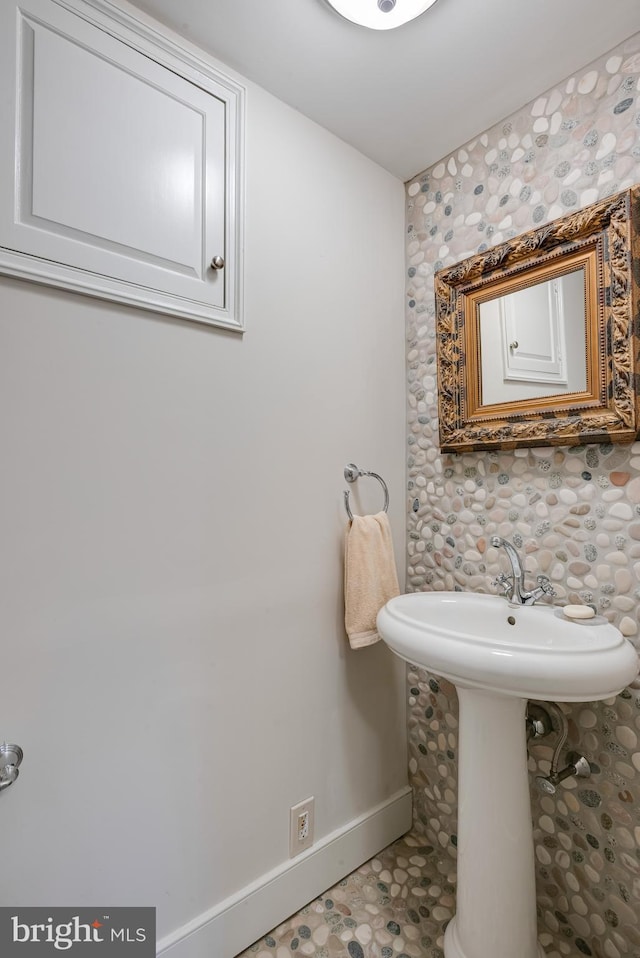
(504, 582)
(545, 584)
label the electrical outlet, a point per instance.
(301, 826)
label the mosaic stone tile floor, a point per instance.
(395, 906)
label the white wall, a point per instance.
(173, 657)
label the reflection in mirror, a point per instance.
(538, 337)
(532, 337)
(533, 341)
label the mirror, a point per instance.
(537, 339)
(533, 340)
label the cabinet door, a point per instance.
(116, 177)
(533, 323)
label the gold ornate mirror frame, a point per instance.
(602, 241)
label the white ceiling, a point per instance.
(405, 97)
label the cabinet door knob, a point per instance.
(217, 262)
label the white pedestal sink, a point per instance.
(499, 655)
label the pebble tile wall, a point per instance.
(574, 513)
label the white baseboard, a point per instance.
(235, 923)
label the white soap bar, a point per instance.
(578, 611)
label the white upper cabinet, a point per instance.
(120, 161)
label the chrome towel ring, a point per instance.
(351, 473)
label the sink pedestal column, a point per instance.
(496, 901)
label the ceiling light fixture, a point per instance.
(380, 14)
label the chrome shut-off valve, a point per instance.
(10, 758)
(578, 766)
(539, 725)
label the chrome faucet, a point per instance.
(513, 585)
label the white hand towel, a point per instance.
(370, 577)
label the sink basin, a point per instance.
(499, 655)
(534, 652)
